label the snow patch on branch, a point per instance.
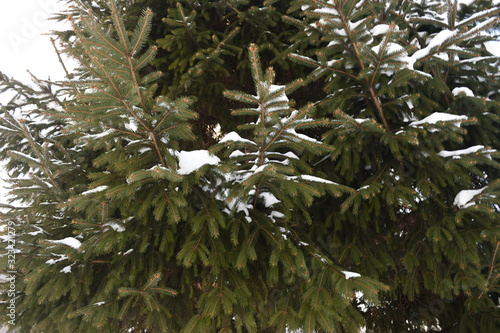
(190, 161)
(349, 275)
(436, 41)
(235, 137)
(457, 153)
(310, 178)
(68, 241)
(53, 261)
(269, 199)
(115, 226)
(380, 29)
(95, 190)
(437, 117)
(66, 269)
(464, 197)
(462, 90)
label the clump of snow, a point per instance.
(132, 125)
(91, 137)
(236, 153)
(128, 251)
(299, 136)
(312, 179)
(493, 47)
(115, 226)
(278, 102)
(99, 303)
(68, 241)
(361, 120)
(464, 197)
(436, 41)
(95, 190)
(190, 161)
(269, 199)
(437, 117)
(388, 48)
(276, 214)
(327, 10)
(53, 261)
(34, 233)
(66, 269)
(457, 153)
(240, 206)
(462, 90)
(464, 2)
(380, 29)
(349, 275)
(291, 155)
(233, 136)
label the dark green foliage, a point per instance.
(172, 184)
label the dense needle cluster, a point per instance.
(174, 184)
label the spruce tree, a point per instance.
(415, 98)
(123, 230)
(364, 194)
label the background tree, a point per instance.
(398, 76)
(383, 164)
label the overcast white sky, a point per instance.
(23, 44)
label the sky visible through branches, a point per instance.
(24, 29)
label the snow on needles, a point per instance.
(349, 275)
(462, 90)
(190, 161)
(437, 117)
(438, 40)
(235, 137)
(380, 29)
(68, 241)
(464, 198)
(457, 153)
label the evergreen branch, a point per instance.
(238, 96)
(381, 54)
(81, 61)
(316, 64)
(256, 72)
(167, 114)
(156, 277)
(123, 131)
(186, 25)
(302, 112)
(146, 57)
(477, 16)
(34, 146)
(180, 126)
(66, 117)
(99, 34)
(87, 223)
(109, 57)
(165, 291)
(144, 30)
(63, 65)
(491, 270)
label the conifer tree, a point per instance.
(122, 230)
(399, 76)
(362, 194)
